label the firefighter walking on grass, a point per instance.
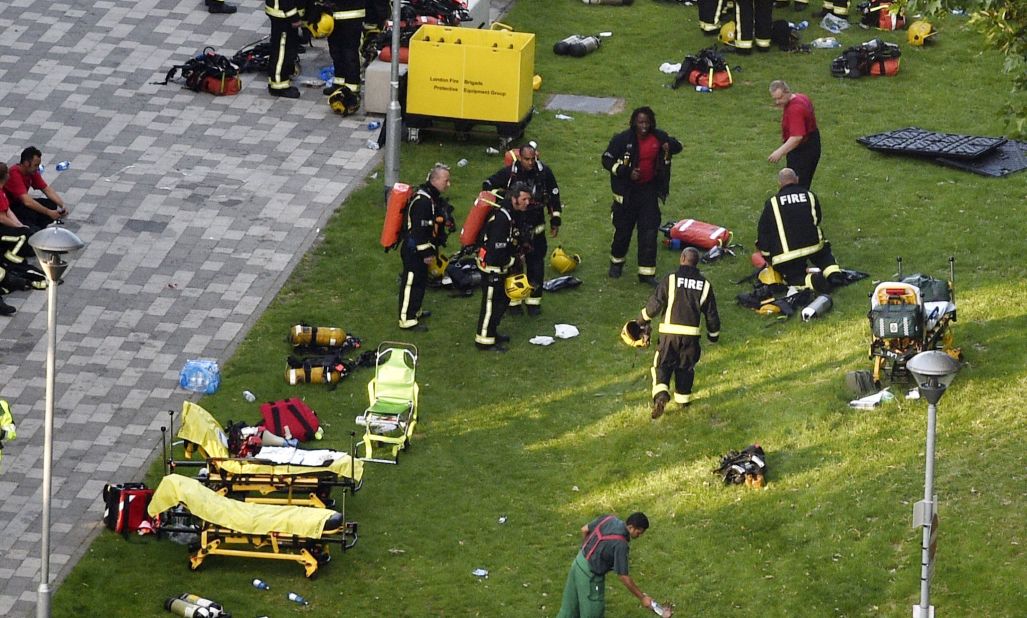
(545, 198)
(679, 302)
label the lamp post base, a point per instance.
(43, 601)
(919, 612)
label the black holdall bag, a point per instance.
(897, 322)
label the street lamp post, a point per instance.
(393, 114)
(933, 372)
(50, 244)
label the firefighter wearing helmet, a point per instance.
(344, 46)
(495, 259)
(679, 302)
(538, 178)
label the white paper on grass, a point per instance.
(566, 331)
(541, 340)
(670, 68)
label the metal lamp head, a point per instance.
(50, 244)
(933, 371)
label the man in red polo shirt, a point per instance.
(33, 212)
(13, 238)
(799, 133)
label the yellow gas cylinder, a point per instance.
(316, 335)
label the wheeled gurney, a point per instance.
(275, 532)
(307, 477)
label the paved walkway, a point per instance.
(195, 210)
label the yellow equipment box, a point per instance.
(470, 74)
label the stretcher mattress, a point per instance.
(242, 517)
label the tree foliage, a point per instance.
(1003, 23)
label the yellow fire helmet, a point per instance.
(635, 335)
(769, 276)
(517, 287)
(727, 33)
(919, 31)
(563, 263)
(437, 267)
(322, 27)
(343, 101)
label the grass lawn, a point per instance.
(551, 437)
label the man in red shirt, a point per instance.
(639, 164)
(13, 239)
(34, 213)
(799, 133)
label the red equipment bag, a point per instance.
(476, 218)
(395, 213)
(125, 507)
(720, 79)
(886, 67)
(701, 235)
(291, 417)
(385, 55)
(221, 86)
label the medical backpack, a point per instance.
(694, 233)
(878, 14)
(208, 72)
(125, 507)
(291, 418)
(706, 68)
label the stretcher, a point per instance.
(392, 395)
(304, 476)
(300, 534)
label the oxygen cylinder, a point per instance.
(316, 335)
(819, 307)
(395, 212)
(583, 46)
(562, 47)
(185, 609)
(316, 375)
(214, 609)
(476, 217)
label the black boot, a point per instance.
(616, 268)
(6, 309)
(217, 6)
(292, 92)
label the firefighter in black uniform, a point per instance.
(428, 217)
(682, 298)
(286, 17)
(753, 20)
(495, 259)
(639, 164)
(344, 47)
(709, 15)
(545, 197)
(789, 234)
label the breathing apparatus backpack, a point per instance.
(470, 233)
(875, 57)
(395, 215)
(254, 58)
(707, 68)
(208, 72)
(749, 467)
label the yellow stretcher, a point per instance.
(306, 477)
(274, 532)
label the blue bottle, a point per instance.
(63, 165)
(295, 598)
(260, 584)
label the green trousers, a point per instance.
(584, 595)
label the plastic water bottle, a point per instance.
(462, 163)
(703, 89)
(63, 165)
(248, 396)
(825, 42)
(372, 144)
(41, 168)
(802, 25)
(327, 75)
(260, 584)
(374, 124)
(295, 598)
